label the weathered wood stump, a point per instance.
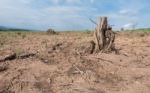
(104, 35)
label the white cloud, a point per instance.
(68, 17)
(64, 10)
(130, 25)
(67, 14)
(21, 14)
(128, 12)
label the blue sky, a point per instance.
(73, 14)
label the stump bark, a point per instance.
(104, 35)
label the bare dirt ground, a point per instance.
(62, 63)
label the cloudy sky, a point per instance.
(73, 14)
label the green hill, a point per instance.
(3, 28)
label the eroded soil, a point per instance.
(63, 63)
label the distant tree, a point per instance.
(122, 29)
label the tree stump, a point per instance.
(104, 35)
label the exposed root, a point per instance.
(14, 56)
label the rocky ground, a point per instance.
(37, 62)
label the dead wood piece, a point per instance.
(75, 70)
(100, 31)
(13, 56)
(26, 55)
(104, 35)
(92, 47)
(78, 70)
(110, 38)
(8, 57)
